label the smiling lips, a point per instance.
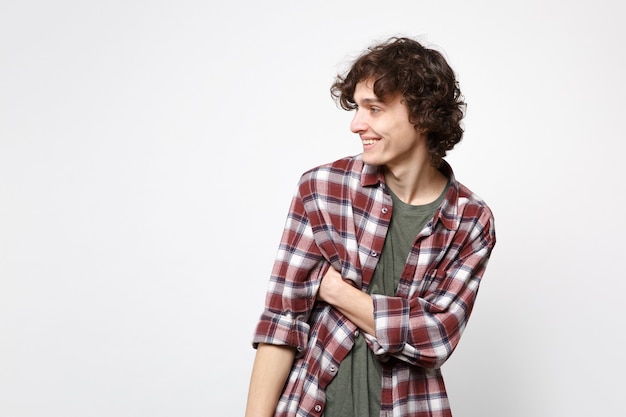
(369, 141)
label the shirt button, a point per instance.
(333, 368)
(374, 254)
(356, 333)
(385, 210)
(318, 408)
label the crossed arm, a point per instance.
(269, 373)
(355, 304)
(273, 362)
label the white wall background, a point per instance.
(149, 149)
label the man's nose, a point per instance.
(358, 122)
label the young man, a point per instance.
(381, 256)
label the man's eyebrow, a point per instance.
(370, 100)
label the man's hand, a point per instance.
(332, 286)
(352, 302)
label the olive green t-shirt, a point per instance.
(356, 389)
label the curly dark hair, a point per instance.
(426, 82)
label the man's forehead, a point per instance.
(364, 93)
(364, 90)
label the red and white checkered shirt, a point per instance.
(340, 216)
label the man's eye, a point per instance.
(374, 109)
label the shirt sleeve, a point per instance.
(425, 329)
(295, 279)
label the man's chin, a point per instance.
(371, 160)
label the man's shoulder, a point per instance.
(472, 205)
(461, 196)
(335, 180)
(470, 196)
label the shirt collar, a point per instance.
(371, 175)
(448, 212)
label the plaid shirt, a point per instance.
(340, 216)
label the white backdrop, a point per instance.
(149, 151)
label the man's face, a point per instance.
(387, 135)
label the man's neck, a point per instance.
(417, 184)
